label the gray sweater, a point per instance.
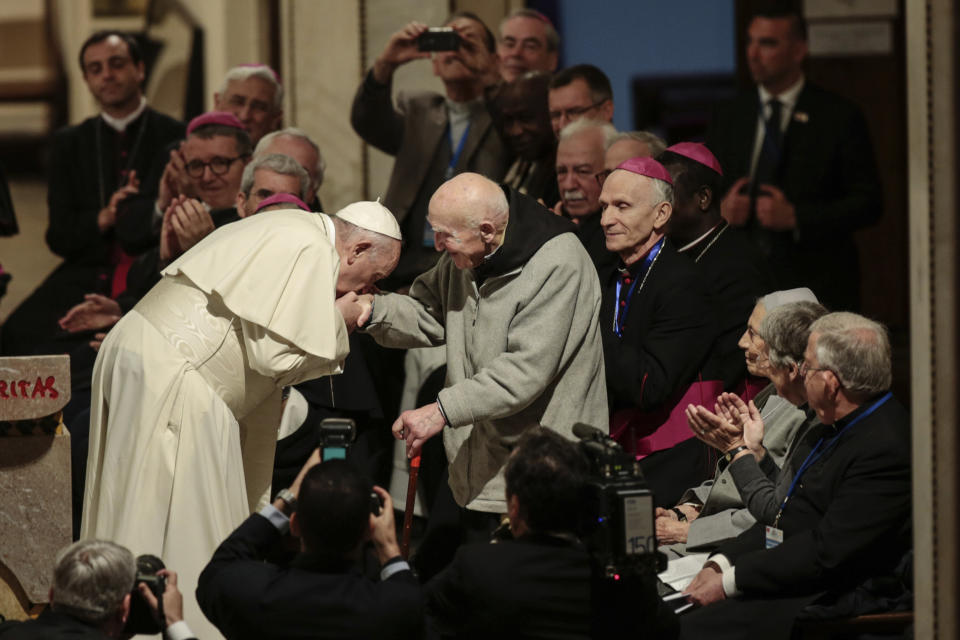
(523, 349)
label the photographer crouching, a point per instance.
(541, 581)
(322, 592)
(96, 584)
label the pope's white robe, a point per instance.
(186, 389)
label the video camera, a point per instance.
(618, 519)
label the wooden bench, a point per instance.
(893, 624)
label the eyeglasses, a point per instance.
(574, 112)
(218, 165)
(805, 369)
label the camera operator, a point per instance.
(328, 507)
(540, 583)
(91, 597)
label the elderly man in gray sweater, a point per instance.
(515, 299)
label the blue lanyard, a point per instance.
(816, 454)
(458, 151)
(618, 319)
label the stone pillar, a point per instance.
(35, 513)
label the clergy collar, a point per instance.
(691, 245)
(120, 124)
(787, 98)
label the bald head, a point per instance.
(469, 214)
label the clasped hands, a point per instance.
(669, 527)
(774, 211)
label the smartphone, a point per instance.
(439, 39)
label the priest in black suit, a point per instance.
(846, 517)
(656, 325)
(94, 166)
(733, 271)
(799, 166)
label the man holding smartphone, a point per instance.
(432, 136)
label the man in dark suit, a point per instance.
(732, 270)
(538, 583)
(95, 166)
(656, 325)
(846, 516)
(432, 136)
(800, 174)
(322, 594)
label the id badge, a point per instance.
(774, 537)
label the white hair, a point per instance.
(856, 349)
(654, 142)
(300, 134)
(91, 578)
(263, 72)
(278, 163)
(588, 124)
(786, 330)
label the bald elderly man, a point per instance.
(515, 299)
(186, 387)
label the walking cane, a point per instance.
(408, 513)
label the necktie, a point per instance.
(766, 171)
(769, 159)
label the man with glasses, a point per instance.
(95, 166)
(253, 93)
(581, 91)
(845, 516)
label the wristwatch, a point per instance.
(288, 499)
(729, 455)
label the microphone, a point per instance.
(586, 432)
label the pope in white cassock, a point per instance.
(186, 387)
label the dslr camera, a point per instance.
(142, 619)
(336, 436)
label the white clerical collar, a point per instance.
(330, 228)
(787, 98)
(120, 124)
(690, 245)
